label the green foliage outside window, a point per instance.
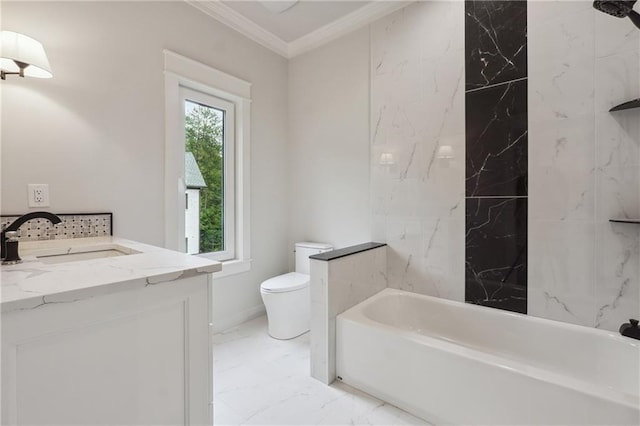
(204, 138)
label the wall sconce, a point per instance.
(445, 152)
(445, 155)
(23, 56)
(386, 159)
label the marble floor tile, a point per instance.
(262, 381)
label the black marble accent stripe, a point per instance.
(347, 251)
(496, 140)
(496, 154)
(495, 42)
(496, 253)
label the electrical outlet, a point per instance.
(38, 194)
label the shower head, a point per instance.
(619, 9)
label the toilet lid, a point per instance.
(287, 282)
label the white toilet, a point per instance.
(287, 297)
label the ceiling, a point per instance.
(303, 26)
(299, 20)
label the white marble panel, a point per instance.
(539, 12)
(444, 246)
(354, 278)
(617, 274)
(618, 193)
(617, 136)
(418, 146)
(442, 24)
(565, 91)
(561, 273)
(617, 78)
(615, 35)
(319, 322)
(583, 165)
(562, 172)
(555, 37)
(617, 185)
(561, 64)
(336, 286)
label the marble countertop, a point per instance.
(34, 283)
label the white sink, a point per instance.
(83, 253)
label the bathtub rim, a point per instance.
(356, 315)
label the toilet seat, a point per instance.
(284, 283)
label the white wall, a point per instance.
(95, 132)
(329, 143)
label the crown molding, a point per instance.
(354, 20)
(226, 15)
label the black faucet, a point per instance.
(630, 329)
(10, 254)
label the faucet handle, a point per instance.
(12, 236)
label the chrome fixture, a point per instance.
(22, 55)
(9, 236)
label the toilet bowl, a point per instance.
(287, 297)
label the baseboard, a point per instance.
(222, 324)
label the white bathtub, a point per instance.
(454, 363)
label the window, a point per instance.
(209, 140)
(207, 137)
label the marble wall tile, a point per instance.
(496, 252)
(614, 35)
(319, 321)
(561, 65)
(495, 42)
(583, 269)
(561, 280)
(354, 278)
(541, 12)
(617, 79)
(583, 163)
(617, 272)
(336, 286)
(562, 157)
(440, 22)
(496, 141)
(418, 145)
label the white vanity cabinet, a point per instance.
(136, 353)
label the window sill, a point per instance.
(231, 267)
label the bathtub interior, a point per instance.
(592, 356)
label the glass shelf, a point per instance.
(627, 105)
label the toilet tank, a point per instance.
(306, 249)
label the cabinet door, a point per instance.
(133, 357)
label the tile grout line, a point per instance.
(495, 85)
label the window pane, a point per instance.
(204, 178)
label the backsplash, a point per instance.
(78, 225)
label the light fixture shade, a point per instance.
(21, 48)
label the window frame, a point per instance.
(180, 71)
